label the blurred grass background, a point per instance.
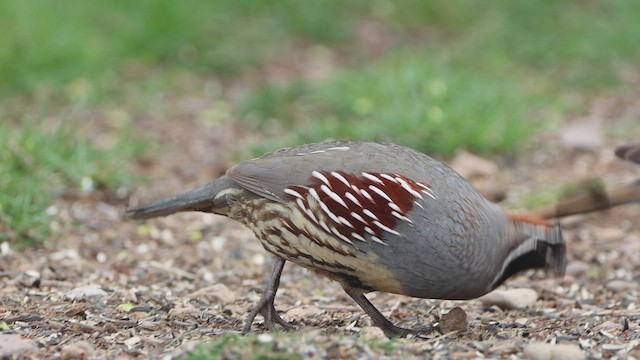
(435, 75)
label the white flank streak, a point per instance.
(359, 218)
(306, 210)
(370, 214)
(417, 203)
(293, 193)
(338, 234)
(311, 215)
(340, 148)
(321, 177)
(406, 186)
(380, 192)
(429, 194)
(333, 195)
(401, 217)
(423, 186)
(369, 230)
(317, 152)
(372, 178)
(339, 176)
(377, 239)
(353, 199)
(325, 208)
(301, 204)
(385, 228)
(389, 177)
(324, 226)
(356, 189)
(345, 221)
(393, 206)
(366, 194)
(315, 195)
(357, 236)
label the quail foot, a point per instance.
(373, 217)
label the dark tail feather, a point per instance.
(200, 199)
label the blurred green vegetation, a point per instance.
(478, 75)
(489, 76)
(236, 346)
(36, 166)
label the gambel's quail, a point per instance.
(373, 217)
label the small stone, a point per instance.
(454, 320)
(184, 349)
(372, 332)
(148, 324)
(482, 173)
(584, 134)
(30, 279)
(132, 342)
(609, 326)
(469, 165)
(302, 312)
(621, 285)
(77, 351)
(510, 299)
(86, 292)
(217, 293)
(544, 351)
(265, 338)
(608, 233)
(577, 268)
(12, 345)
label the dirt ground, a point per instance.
(106, 288)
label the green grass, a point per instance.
(416, 98)
(490, 76)
(466, 74)
(233, 346)
(51, 43)
(290, 346)
(36, 165)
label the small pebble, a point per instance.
(217, 293)
(265, 338)
(577, 268)
(544, 351)
(454, 320)
(13, 345)
(372, 332)
(510, 299)
(132, 341)
(302, 312)
(77, 351)
(85, 292)
(621, 285)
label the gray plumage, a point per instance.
(375, 217)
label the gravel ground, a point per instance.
(106, 288)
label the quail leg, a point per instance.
(265, 305)
(378, 319)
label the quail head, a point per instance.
(373, 217)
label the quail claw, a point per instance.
(265, 306)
